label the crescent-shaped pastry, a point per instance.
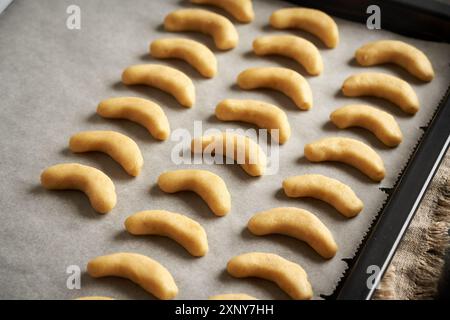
(144, 112)
(299, 49)
(118, 146)
(232, 296)
(311, 20)
(193, 52)
(287, 81)
(242, 149)
(217, 26)
(97, 186)
(209, 186)
(392, 51)
(350, 151)
(164, 78)
(262, 114)
(241, 10)
(289, 276)
(383, 86)
(187, 232)
(297, 223)
(142, 270)
(329, 190)
(379, 122)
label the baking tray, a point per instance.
(428, 20)
(52, 80)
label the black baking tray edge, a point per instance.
(428, 20)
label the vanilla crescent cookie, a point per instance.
(392, 51)
(314, 21)
(297, 223)
(193, 52)
(165, 78)
(350, 151)
(209, 186)
(97, 186)
(142, 270)
(299, 49)
(187, 232)
(241, 10)
(142, 111)
(220, 28)
(289, 276)
(379, 122)
(262, 114)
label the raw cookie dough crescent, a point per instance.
(193, 52)
(209, 186)
(297, 223)
(287, 81)
(382, 85)
(241, 10)
(329, 190)
(398, 52)
(220, 28)
(187, 232)
(349, 151)
(289, 276)
(244, 150)
(142, 111)
(299, 49)
(98, 187)
(379, 122)
(142, 270)
(118, 146)
(314, 21)
(262, 114)
(164, 78)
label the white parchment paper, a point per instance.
(51, 81)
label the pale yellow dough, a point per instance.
(384, 86)
(186, 231)
(118, 146)
(220, 28)
(329, 190)
(142, 270)
(209, 186)
(379, 122)
(297, 223)
(350, 151)
(284, 80)
(232, 296)
(314, 21)
(289, 276)
(164, 78)
(392, 51)
(142, 111)
(262, 114)
(299, 49)
(98, 187)
(242, 149)
(241, 10)
(193, 52)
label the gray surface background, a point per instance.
(51, 81)
(4, 4)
